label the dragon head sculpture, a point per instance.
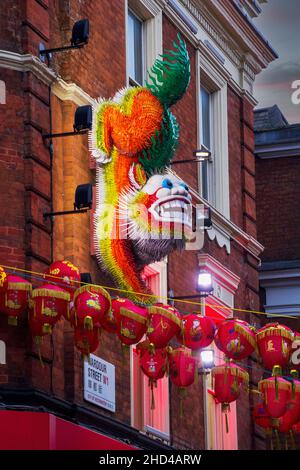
(142, 212)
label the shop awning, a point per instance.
(26, 430)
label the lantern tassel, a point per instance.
(271, 440)
(40, 357)
(277, 440)
(226, 423)
(88, 323)
(276, 372)
(12, 320)
(235, 386)
(295, 376)
(225, 410)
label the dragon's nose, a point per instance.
(179, 190)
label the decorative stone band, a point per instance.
(92, 289)
(275, 331)
(154, 310)
(56, 294)
(235, 371)
(242, 330)
(19, 286)
(134, 316)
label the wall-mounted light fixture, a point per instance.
(201, 218)
(80, 37)
(204, 284)
(83, 201)
(207, 361)
(203, 287)
(200, 155)
(86, 278)
(83, 119)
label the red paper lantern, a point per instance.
(48, 304)
(14, 297)
(235, 338)
(295, 355)
(91, 304)
(296, 428)
(110, 324)
(228, 379)
(109, 320)
(2, 278)
(36, 327)
(285, 423)
(262, 417)
(86, 341)
(277, 393)
(131, 321)
(274, 343)
(65, 274)
(293, 407)
(182, 367)
(152, 362)
(164, 324)
(196, 331)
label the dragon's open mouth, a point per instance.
(176, 209)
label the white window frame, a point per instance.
(225, 285)
(151, 15)
(218, 170)
(160, 268)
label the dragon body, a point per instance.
(140, 210)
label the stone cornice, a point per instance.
(214, 29)
(72, 92)
(236, 38)
(60, 88)
(27, 63)
(250, 40)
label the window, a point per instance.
(213, 134)
(217, 436)
(155, 421)
(205, 137)
(143, 38)
(135, 49)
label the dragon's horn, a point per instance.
(170, 75)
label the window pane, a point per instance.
(135, 48)
(205, 115)
(204, 174)
(205, 137)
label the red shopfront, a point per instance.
(27, 430)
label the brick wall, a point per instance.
(278, 210)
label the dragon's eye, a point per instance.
(185, 186)
(167, 183)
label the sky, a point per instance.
(280, 24)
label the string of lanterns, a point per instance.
(90, 308)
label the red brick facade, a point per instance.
(282, 193)
(33, 181)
